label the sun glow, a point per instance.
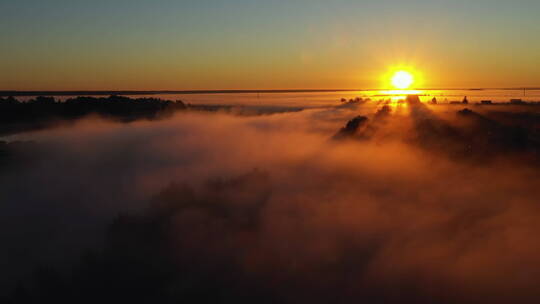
(402, 80)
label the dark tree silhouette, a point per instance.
(43, 111)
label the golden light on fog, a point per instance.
(402, 80)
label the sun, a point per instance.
(402, 80)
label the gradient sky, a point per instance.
(247, 44)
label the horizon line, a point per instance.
(7, 93)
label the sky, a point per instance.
(266, 44)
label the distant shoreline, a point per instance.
(186, 92)
(191, 92)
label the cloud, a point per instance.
(252, 206)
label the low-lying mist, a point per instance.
(412, 204)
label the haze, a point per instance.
(270, 152)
